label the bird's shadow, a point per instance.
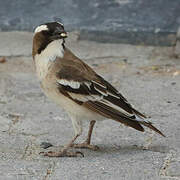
(128, 149)
(114, 149)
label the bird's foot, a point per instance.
(85, 145)
(63, 153)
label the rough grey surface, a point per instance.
(118, 21)
(148, 76)
(15, 43)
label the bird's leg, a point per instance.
(63, 152)
(86, 143)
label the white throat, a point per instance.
(47, 56)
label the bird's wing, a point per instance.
(80, 83)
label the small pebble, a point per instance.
(138, 73)
(125, 60)
(173, 83)
(2, 60)
(45, 145)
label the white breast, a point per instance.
(47, 56)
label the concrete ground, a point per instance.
(147, 76)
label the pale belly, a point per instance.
(74, 110)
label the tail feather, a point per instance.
(138, 113)
(149, 125)
(141, 119)
(129, 122)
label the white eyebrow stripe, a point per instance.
(60, 23)
(41, 28)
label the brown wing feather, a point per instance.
(149, 125)
(122, 102)
(111, 113)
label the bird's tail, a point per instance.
(136, 121)
(140, 118)
(149, 125)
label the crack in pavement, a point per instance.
(167, 161)
(50, 170)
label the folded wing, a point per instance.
(90, 90)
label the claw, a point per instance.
(79, 152)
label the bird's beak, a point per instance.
(59, 35)
(63, 35)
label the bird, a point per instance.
(78, 89)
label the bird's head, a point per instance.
(45, 34)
